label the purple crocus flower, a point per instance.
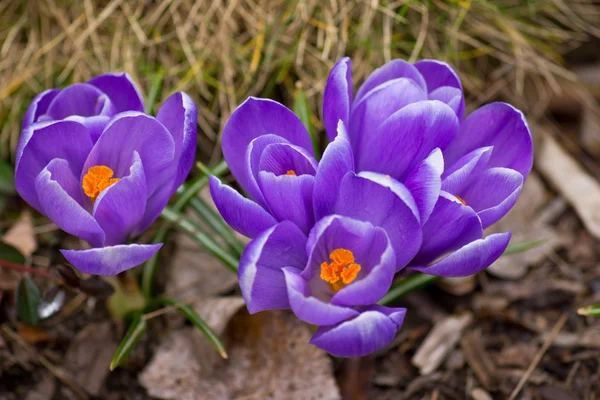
(406, 121)
(90, 160)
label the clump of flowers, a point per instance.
(405, 181)
(93, 162)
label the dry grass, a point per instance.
(221, 51)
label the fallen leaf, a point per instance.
(269, 358)
(34, 334)
(440, 342)
(21, 235)
(88, 357)
(44, 389)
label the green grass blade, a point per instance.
(28, 300)
(302, 110)
(155, 89)
(135, 332)
(405, 286)
(520, 247)
(192, 316)
(590, 311)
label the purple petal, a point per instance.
(59, 192)
(261, 267)
(42, 142)
(38, 106)
(80, 99)
(289, 198)
(242, 214)
(394, 69)
(396, 314)
(337, 98)
(413, 132)
(363, 199)
(438, 74)
(465, 170)
(154, 205)
(375, 107)
(450, 226)
(337, 160)
(424, 182)
(451, 96)
(368, 332)
(132, 131)
(95, 125)
(121, 90)
(255, 118)
(310, 309)
(279, 158)
(252, 161)
(493, 194)
(112, 260)
(375, 278)
(471, 258)
(180, 116)
(120, 207)
(499, 125)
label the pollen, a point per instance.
(461, 200)
(97, 179)
(291, 172)
(341, 271)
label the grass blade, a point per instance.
(302, 110)
(28, 300)
(135, 332)
(590, 311)
(520, 247)
(405, 286)
(192, 316)
(155, 89)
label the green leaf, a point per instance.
(155, 89)
(199, 323)
(520, 247)
(407, 285)
(135, 332)
(590, 311)
(28, 300)
(302, 110)
(11, 254)
(7, 178)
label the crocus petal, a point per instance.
(309, 308)
(289, 198)
(261, 266)
(132, 131)
(438, 74)
(252, 162)
(493, 194)
(38, 106)
(471, 258)
(499, 125)
(363, 199)
(95, 125)
(368, 332)
(254, 118)
(450, 226)
(377, 105)
(394, 69)
(120, 207)
(242, 214)
(112, 260)
(58, 192)
(376, 275)
(337, 97)
(80, 99)
(121, 90)
(407, 138)
(451, 96)
(337, 160)
(465, 170)
(280, 158)
(180, 116)
(42, 142)
(425, 181)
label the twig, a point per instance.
(540, 354)
(33, 271)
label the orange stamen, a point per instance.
(97, 179)
(341, 271)
(461, 200)
(291, 172)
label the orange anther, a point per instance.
(98, 178)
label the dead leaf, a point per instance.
(480, 394)
(479, 360)
(269, 358)
(21, 235)
(518, 355)
(526, 224)
(459, 286)
(590, 129)
(34, 334)
(440, 342)
(43, 390)
(89, 355)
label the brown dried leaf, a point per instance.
(21, 235)
(269, 358)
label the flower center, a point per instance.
(461, 200)
(291, 172)
(98, 178)
(341, 271)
